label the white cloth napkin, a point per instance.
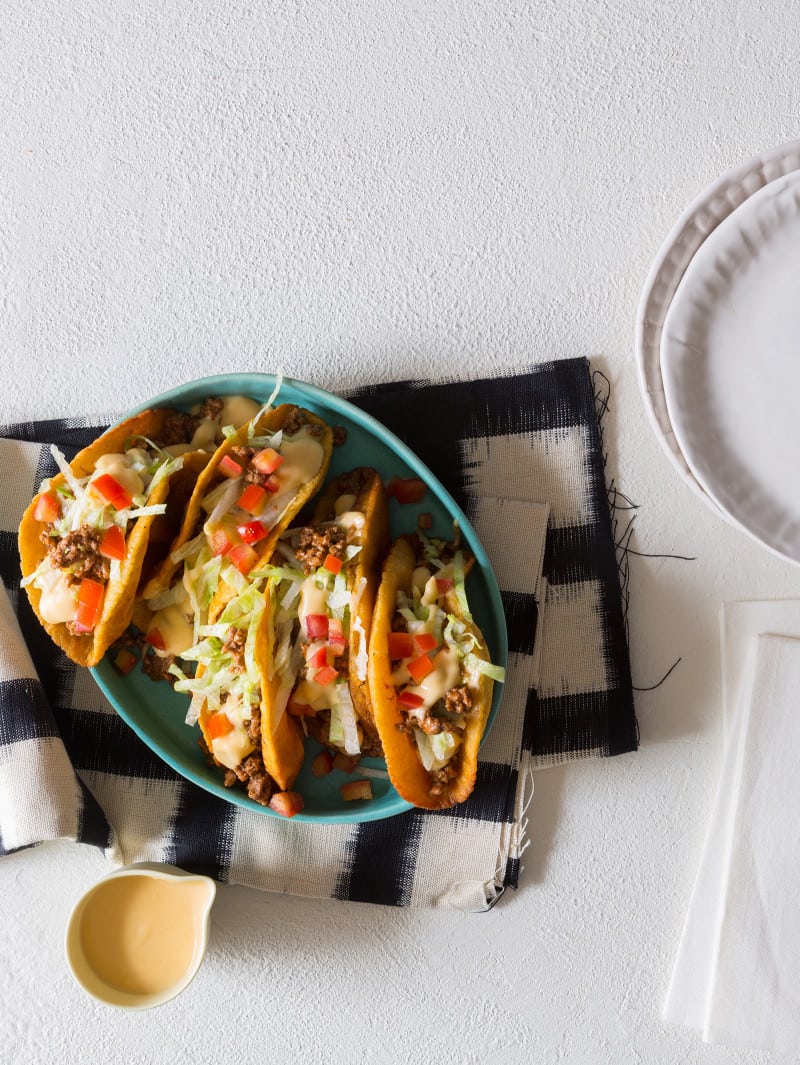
(734, 973)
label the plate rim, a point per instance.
(715, 203)
(398, 805)
(698, 269)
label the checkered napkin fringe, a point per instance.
(512, 450)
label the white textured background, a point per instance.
(366, 191)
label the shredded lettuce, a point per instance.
(458, 584)
(436, 751)
(478, 665)
(343, 729)
(251, 428)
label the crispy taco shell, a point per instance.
(268, 423)
(408, 775)
(281, 736)
(282, 748)
(87, 649)
(364, 576)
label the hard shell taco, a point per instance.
(84, 538)
(324, 582)
(430, 676)
(207, 603)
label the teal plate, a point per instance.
(156, 713)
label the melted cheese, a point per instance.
(57, 603)
(237, 410)
(177, 631)
(234, 746)
(118, 467)
(139, 933)
(317, 696)
(446, 675)
(352, 521)
(344, 503)
(313, 600)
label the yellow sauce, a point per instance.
(57, 602)
(118, 467)
(176, 630)
(139, 933)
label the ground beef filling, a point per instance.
(156, 667)
(244, 456)
(440, 778)
(234, 646)
(78, 554)
(253, 775)
(294, 422)
(457, 702)
(178, 428)
(316, 542)
(211, 407)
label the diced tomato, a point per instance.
(229, 467)
(325, 675)
(332, 564)
(319, 659)
(113, 543)
(420, 667)
(336, 637)
(345, 763)
(220, 542)
(300, 709)
(243, 557)
(407, 489)
(47, 508)
(267, 461)
(252, 531)
(409, 699)
(322, 764)
(425, 641)
(443, 584)
(112, 491)
(356, 789)
(272, 484)
(400, 645)
(425, 521)
(317, 626)
(124, 661)
(287, 803)
(155, 639)
(89, 604)
(252, 499)
(218, 725)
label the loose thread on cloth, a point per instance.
(620, 503)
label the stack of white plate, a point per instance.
(718, 348)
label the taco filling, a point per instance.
(227, 688)
(328, 577)
(212, 605)
(85, 535)
(431, 676)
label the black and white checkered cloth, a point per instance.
(515, 451)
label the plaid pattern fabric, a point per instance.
(515, 451)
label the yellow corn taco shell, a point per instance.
(305, 488)
(372, 536)
(87, 649)
(282, 747)
(281, 736)
(406, 771)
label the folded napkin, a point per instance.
(513, 451)
(734, 975)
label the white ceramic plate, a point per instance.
(730, 366)
(698, 221)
